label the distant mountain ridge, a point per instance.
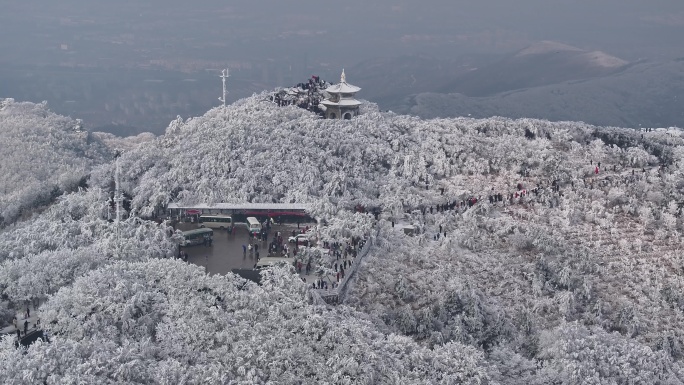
(546, 80)
(540, 64)
(643, 94)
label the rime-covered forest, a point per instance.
(540, 252)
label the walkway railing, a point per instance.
(336, 296)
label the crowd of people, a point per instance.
(345, 255)
(23, 328)
(545, 192)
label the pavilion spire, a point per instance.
(343, 78)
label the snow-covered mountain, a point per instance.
(572, 276)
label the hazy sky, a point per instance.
(352, 30)
(124, 63)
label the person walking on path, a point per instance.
(14, 322)
(28, 312)
(26, 323)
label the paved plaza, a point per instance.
(226, 253)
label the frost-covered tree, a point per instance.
(575, 354)
(525, 266)
(42, 155)
(169, 322)
(72, 237)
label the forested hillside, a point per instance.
(541, 253)
(42, 155)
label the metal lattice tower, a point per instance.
(118, 198)
(224, 75)
(117, 192)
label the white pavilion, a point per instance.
(340, 102)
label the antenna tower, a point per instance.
(118, 198)
(117, 192)
(224, 75)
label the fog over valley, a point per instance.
(130, 67)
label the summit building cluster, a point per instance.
(336, 101)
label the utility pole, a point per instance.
(224, 75)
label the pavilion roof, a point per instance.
(342, 87)
(342, 102)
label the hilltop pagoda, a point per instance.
(340, 102)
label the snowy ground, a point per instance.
(21, 318)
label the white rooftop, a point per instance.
(342, 102)
(343, 86)
(241, 206)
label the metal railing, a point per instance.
(336, 296)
